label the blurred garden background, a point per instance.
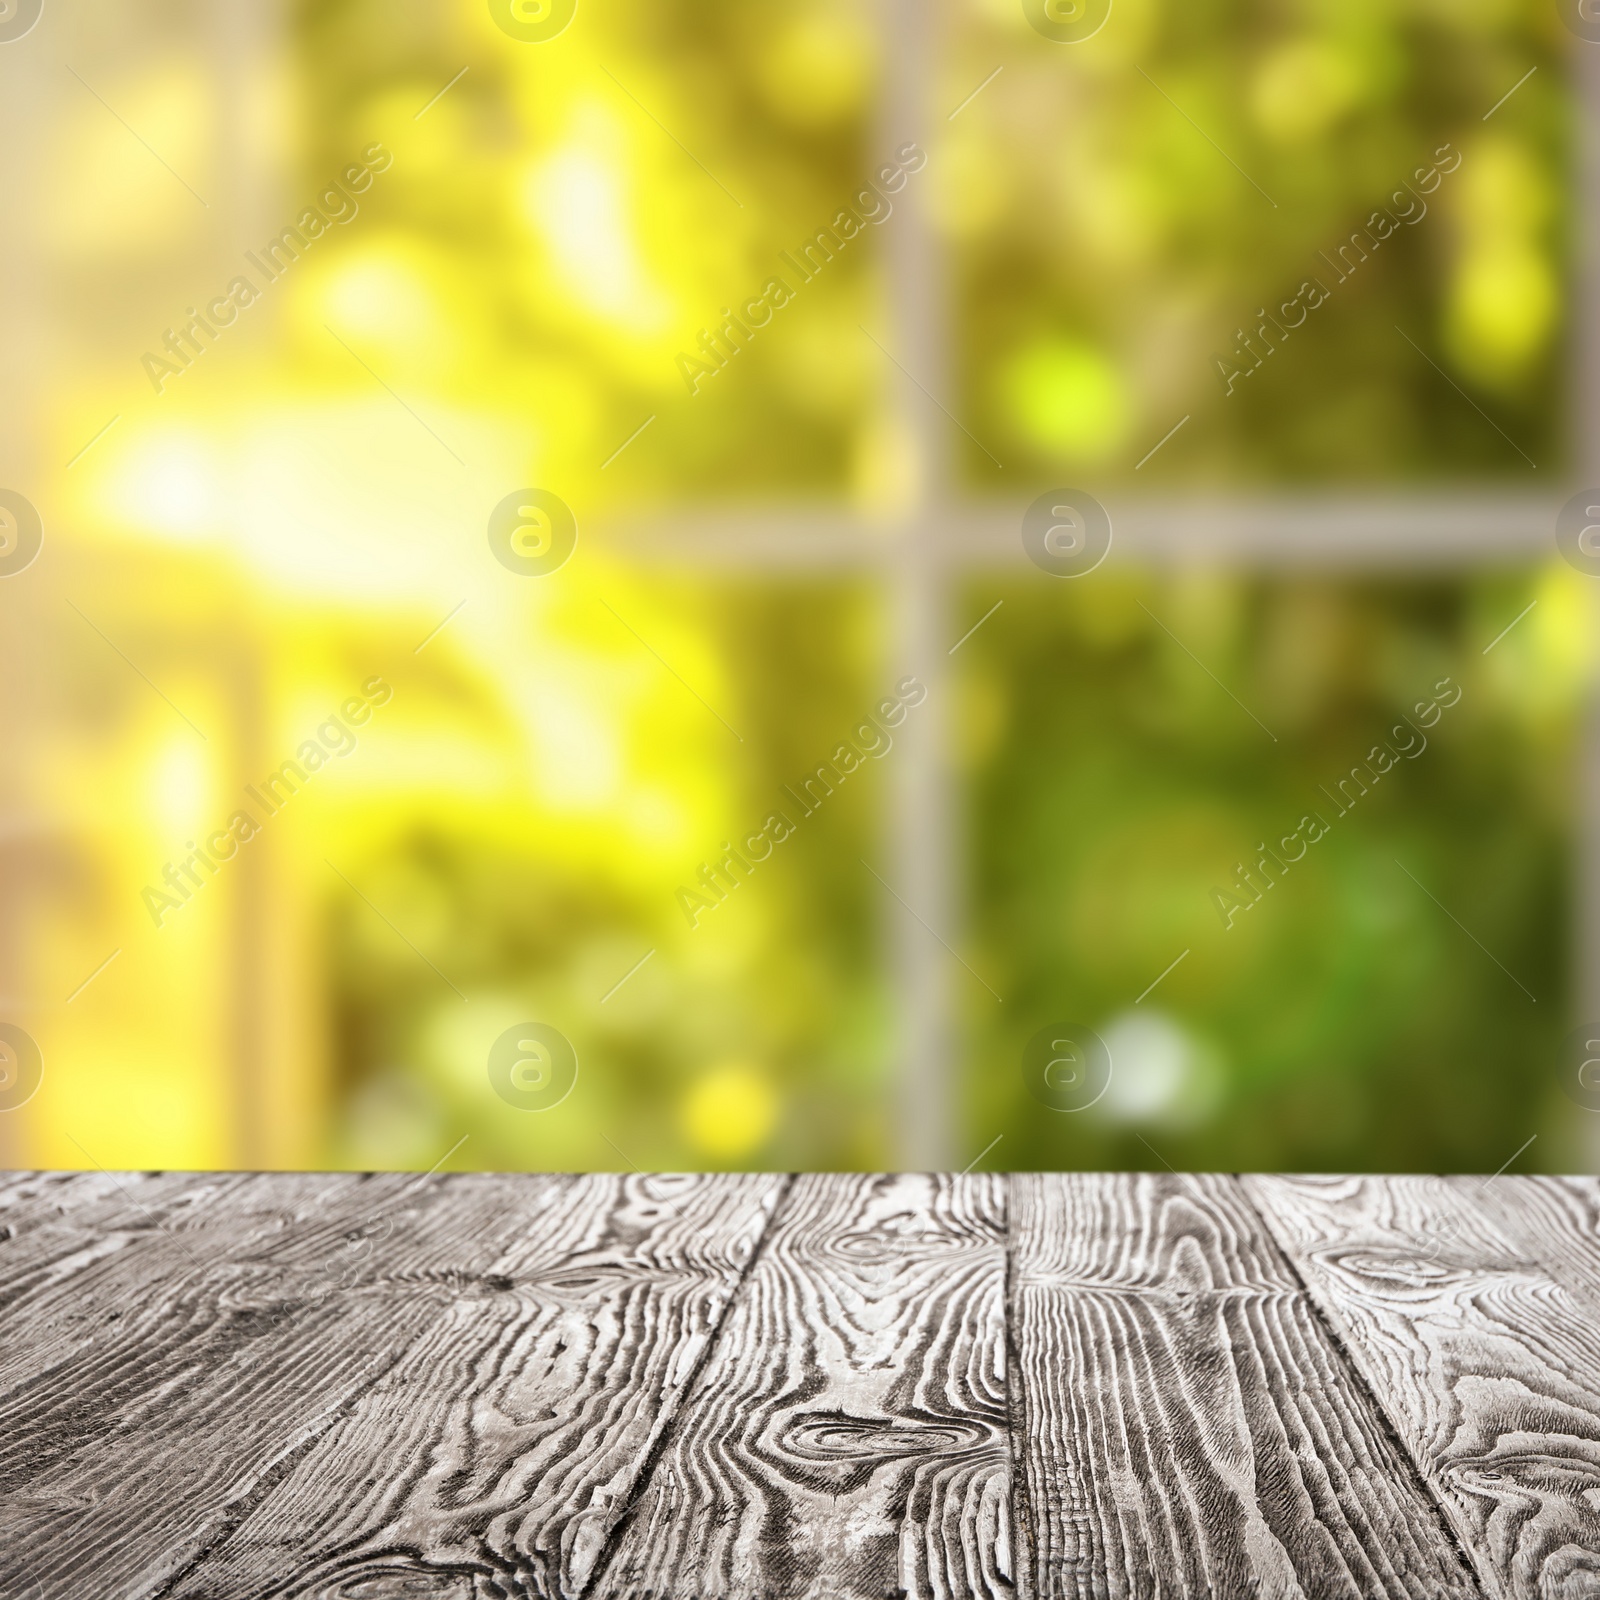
(234, 548)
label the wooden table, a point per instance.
(832, 1386)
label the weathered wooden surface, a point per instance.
(829, 1387)
(1473, 1311)
(849, 1437)
(1185, 1414)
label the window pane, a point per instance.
(1387, 987)
(681, 897)
(568, 233)
(1287, 229)
(391, 270)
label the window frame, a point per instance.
(939, 538)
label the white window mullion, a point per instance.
(1586, 468)
(1443, 530)
(923, 833)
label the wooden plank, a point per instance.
(79, 1251)
(1186, 1424)
(250, 1328)
(1486, 1359)
(848, 1437)
(71, 1242)
(1552, 1220)
(236, 1385)
(161, 1383)
(500, 1449)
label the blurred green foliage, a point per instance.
(581, 210)
(1345, 1021)
(559, 223)
(1123, 208)
(757, 1034)
(1117, 211)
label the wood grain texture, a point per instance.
(749, 1387)
(495, 1456)
(339, 1384)
(150, 1388)
(1554, 1221)
(78, 1249)
(1473, 1309)
(848, 1437)
(1186, 1425)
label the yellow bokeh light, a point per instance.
(1502, 307)
(577, 200)
(382, 296)
(730, 1113)
(164, 483)
(179, 791)
(1067, 398)
(1301, 89)
(577, 760)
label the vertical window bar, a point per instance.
(922, 830)
(1586, 468)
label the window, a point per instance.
(797, 798)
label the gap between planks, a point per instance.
(1359, 1384)
(591, 1590)
(1021, 1504)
